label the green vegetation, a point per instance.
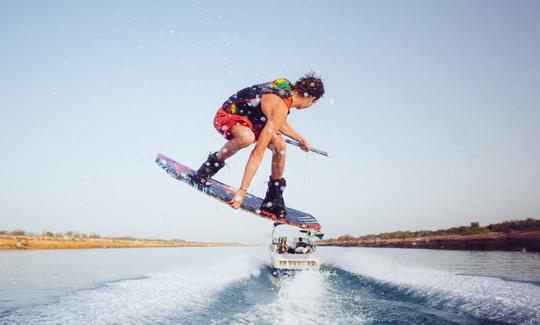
(17, 232)
(76, 235)
(529, 224)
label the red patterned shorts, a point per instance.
(224, 122)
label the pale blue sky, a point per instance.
(431, 115)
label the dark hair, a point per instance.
(311, 85)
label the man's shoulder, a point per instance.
(271, 99)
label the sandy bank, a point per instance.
(37, 242)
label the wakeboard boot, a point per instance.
(208, 169)
(273, 201)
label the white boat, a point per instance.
(293, 251)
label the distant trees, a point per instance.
(475, 228)
(76, 235)
(529, 224)
(125, 238)
(46, 233)
(345, 238)
(16, 232)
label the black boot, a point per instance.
(273, 202)
(208, 169)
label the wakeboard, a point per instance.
(225, 194)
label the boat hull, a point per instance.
(287, 264)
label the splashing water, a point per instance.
(235, 286)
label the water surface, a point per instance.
(234, 285)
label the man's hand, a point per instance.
(238, 198)
(305, 145)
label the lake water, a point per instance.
(233, 285)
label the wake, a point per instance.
(158, 298)
(307, 297)
(481, 297)
(353, 287)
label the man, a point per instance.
(300, 247)
(259, 114)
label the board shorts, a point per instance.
(224, 122)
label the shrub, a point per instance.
(346, 237)
(46, 233)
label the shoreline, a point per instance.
(526, 241)
(12, 242)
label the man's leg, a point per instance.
(243, 137)
(273, 201)
(278, 147)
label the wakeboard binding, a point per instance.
(273, 202)
(208, 169)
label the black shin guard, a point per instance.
(273, 201)
(208, 169)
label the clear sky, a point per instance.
(431, 113)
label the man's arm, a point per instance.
(275, 111)
(288, 130)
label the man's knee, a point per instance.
(278, 145)
(245, 138)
